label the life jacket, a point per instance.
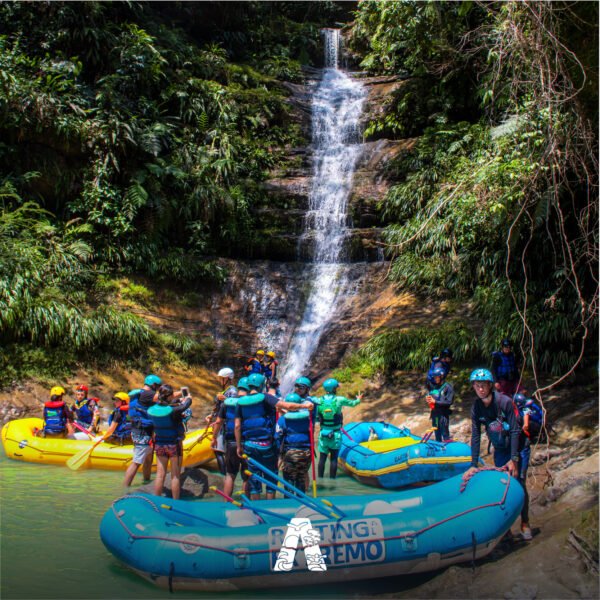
(536, 419)
(230, 407)
(268, 369)
(257, 423)
(166, 430)
(83, 414)
(296, 432)
(330, 415)
(123, 429)
(55, 420)
(254, 366)
(506, 368)
(138, 415)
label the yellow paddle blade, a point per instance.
(78, 460)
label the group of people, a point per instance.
(153, 418)
(511, 420)
(264, 363)
(275, 433)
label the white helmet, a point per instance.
(226, 372)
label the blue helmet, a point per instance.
(481, 375)
(152, 380)
(520, 400)
(305, 381)
(256, 381)
(446, 353)
(438, 372)
(330, 385)
(294, 398)
(243, 384)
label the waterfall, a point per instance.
(336, 108)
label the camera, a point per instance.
(185, 392)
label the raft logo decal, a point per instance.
(326, 545)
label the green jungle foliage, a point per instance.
(498, 201)
(133, 136)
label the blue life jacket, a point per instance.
(296, 430)
(167, 431)
(138, 415)
(535, 412)
(257, 421)
(267, 370)
(123, 429)
(230, 404)
(55, 420)
(255, 366)
(83, 414)
(507, 369)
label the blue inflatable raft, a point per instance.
(397, 458)
(216, 546)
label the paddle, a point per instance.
(78, 426)
(306, 500)
(240, 505)
(312, 455)
(288, 485)
(78, 460)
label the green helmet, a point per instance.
(294, 398)
(331, 385)
(256, 381)
(305, 381)
(243, 384)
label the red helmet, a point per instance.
(82, 388)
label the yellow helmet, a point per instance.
(121, 396)
(57, 391)
(271, 354)
(261, 352)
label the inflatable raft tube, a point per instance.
(216, 547)
(397, 458)
(20, 444)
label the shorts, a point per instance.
(140, 452)
(265, 455)
(329, 440)
(233, 463)
(296, 462)
(170, 450)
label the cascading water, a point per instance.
(336, 109)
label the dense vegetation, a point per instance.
(133, 138)
(498, 202)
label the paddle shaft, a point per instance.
(78, 460)
(303, 499)
(312, 455)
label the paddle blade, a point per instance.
(78, 460)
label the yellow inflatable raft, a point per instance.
(20, 444)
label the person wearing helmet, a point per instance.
(142, 428)
(506, 369)
(255, 428)
(270, 366)
(119, 425)
(440, 400)
(255, 363)
(167, 417)
(496, 412)
(443, 361)
(225, 377)
(330, 414)
(86, 412)
(56, 415)
(293, 439)
(225, 424)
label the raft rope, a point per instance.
(406, 535)
(466, 478)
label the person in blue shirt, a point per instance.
(255, 429)
(506, 369)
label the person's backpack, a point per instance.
(539, 425)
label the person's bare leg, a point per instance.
(228, 484)
(147, 466)
(132, 469)
(176, 477)
(161, 472)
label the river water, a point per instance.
(50, 545)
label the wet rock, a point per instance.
(195, 483)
